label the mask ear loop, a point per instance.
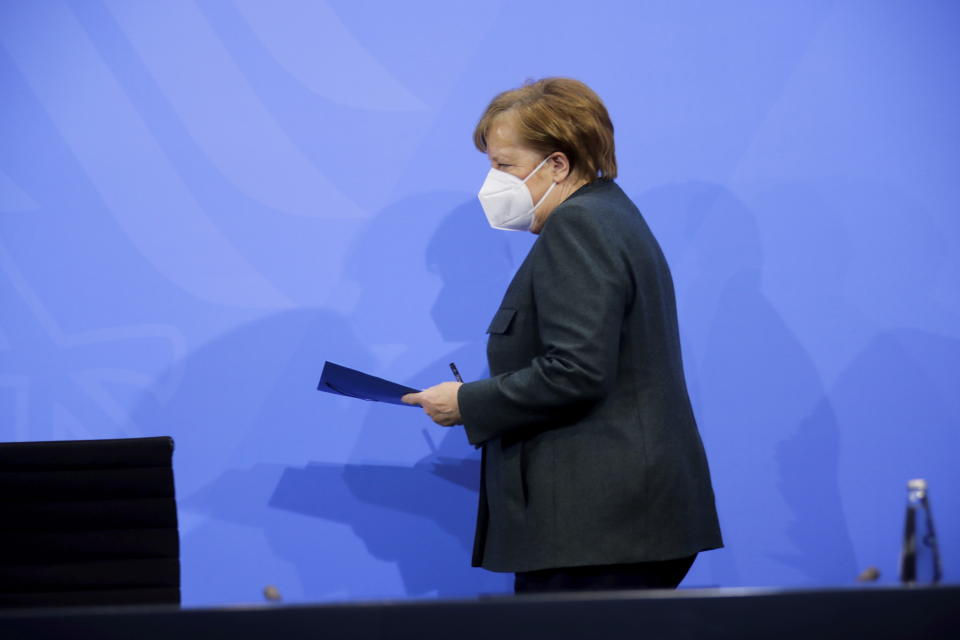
(540, 201)
(549, 189)
(537, 168)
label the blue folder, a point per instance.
(344, 381)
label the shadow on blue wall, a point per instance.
(261, 378)
(861, 266)
(414, 517)
(410, 501)
(757, 385)
(901, 390)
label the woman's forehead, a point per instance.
(501, 135)
(503, 140)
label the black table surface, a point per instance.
(863, 612)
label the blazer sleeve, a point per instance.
(580, 289)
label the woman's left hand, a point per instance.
(439, 402)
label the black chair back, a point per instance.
(88, 522)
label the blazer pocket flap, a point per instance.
(501, 321)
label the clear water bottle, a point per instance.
(919, 556)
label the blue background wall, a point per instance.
(201, 202)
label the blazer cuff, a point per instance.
(475, 400)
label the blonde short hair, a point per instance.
(558, 114)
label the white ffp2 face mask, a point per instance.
(506, 200)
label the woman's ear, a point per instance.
(559, 166)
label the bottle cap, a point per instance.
(917, 484)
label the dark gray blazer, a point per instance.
(591, 454)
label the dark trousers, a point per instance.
(666, 574)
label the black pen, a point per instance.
(456, 373)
